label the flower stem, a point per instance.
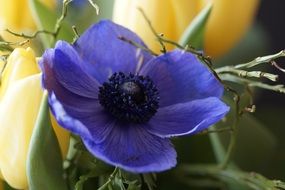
(112, 176)
(233, 137)
(250, 179)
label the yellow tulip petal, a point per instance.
(227, 24)
(20, 96)
(160, 13)
(21, 63)
(16, 16)
(18, 112)
(62, 136)
(184, 12)
(13, 14)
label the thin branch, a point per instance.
(95, 6)
(273, 63)
(137, 45)
(76, 34)
(61, 18)
(158, 36)
(249, 74)
(260, 60)
(277, 88)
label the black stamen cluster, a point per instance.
(130, 98)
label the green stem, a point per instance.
(218, 148)
(61, 18)
(213, 130)
(250, 179)
(112, 176)
(233, 137)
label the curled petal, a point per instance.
(187, 118)
(63, 66)
(88, 123)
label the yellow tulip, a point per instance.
(17, 16)
(228, 22)
(20, 97)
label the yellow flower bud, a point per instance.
(20, 97)
(17, 16)
(228, 21)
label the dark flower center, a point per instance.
(129, 98)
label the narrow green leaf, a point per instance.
(194, 33)
(134, 185)
(44, 164)
(46, 20)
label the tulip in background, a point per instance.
(20, 97)
(225, 27)
(16, 15)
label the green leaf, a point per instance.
(117, 184)
(194, 33)
(44, 164)
(46, 20)
(82, 179)
(6, 186)
(99, 168)
(150, 180)
(133, 181)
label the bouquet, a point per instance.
(135, 95)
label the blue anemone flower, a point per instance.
(125, 103)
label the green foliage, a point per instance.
(194, 33)
(44, 163)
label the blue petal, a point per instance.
(87, 123)
(62, 65)
(129, 147)
(181, 77)
(133, 149)
(64, 120)
(187, 118)
(105, 53)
